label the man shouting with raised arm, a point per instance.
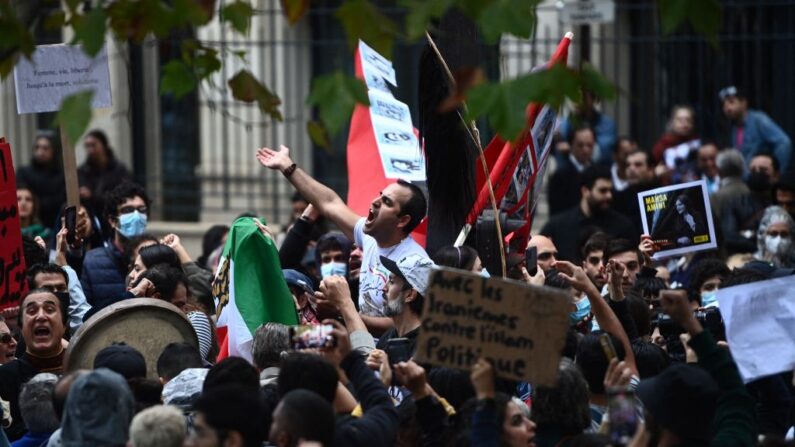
(393, 214)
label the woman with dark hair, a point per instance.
(150, 256)
(27, 209)
(101, 171)
(214, 238)
(44, 177)
(498, 415)
(462, 258)
(680, 225)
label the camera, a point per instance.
(709, 318)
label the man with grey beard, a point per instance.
(404, 297)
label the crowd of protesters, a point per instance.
(367, 279)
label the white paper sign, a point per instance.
(760, 326)
(57, 71)
(578, 12)
(398, 146)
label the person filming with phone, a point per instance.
(403, 299)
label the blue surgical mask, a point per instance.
(132, 224)
(333, 269)
(583, 310)
(708, 298)
(485, 273)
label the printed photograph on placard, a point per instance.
(542, 132)
(386, 106)
(678, 218)
(394, 135)
(519, 184)
(407, 164)
(374, 62)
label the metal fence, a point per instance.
(653, 71)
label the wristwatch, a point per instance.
(289, 171)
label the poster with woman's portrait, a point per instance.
(678, 218)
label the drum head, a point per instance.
(146, 324)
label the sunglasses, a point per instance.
(6, 338)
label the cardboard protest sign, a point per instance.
(678, 218)
(760, 326)
(57, 71)
(521, 328)
(12, 261)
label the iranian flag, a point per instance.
(249, 289)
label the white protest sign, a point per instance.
(398, 146)
(760, 326)
(586, 12)
(57, 71)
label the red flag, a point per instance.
(12, 260)
(504, 157)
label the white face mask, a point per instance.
(778, 245)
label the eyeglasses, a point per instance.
(6, 338)
(130, 209)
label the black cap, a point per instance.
(121, 359)
(681, 399)
(392, 267)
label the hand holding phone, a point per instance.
(531, 260)
(311, 337)
(398, 350)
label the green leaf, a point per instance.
(238, 14)
(504, 103)
(500, 105)
(421, 13)
(335, 95)
(55, 21)
(75, 115)
(206, 63)
(703, 15)
(295, 9)
(318, 134)
(362, 21)
(517, 17)
(594, 82)
(192, 12)
(245, 87)
(90, 30)
(15, 39)
(177, 79)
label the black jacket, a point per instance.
(564, 188)
(569, 228)
(379, 423)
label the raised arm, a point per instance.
(602, 312)
(318, 194)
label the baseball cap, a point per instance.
(728, 92)
(122, 359)
(682, 399)
(415, 269)
(297, 279)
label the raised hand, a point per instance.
(336, 290)
(482, 377)
(574, 274)
(412, 376)
(676, 304)
(276, 160)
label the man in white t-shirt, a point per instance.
(396, 211)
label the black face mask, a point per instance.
(758, 182)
